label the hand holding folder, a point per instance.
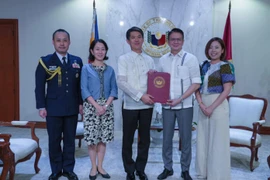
(158, 86)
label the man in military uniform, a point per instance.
(60, 102)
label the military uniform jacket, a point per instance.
(62, 95)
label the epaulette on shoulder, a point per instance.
(74, 57)
(46, 58)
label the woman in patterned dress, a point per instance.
(213, 143)
(99, 89)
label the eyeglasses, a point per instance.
(175, 39)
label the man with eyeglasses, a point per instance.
(185, 80)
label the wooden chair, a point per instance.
(16, 150)
(247, 114)
(79, 132)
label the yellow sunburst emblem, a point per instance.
(159, 82)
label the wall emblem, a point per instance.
(155, 36)
(159, 82)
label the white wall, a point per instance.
(250, 35)
(38, 19)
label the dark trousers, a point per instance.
(133, 119)
(58, 127)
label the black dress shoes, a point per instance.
(185, 175)
(130, 176)
(165, 174)
(106, 176)
(55, 176)
(70, 175)
(141, 175)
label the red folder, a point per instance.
(158, 85)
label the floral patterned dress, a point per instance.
(98, 128)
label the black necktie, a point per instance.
(64, 61)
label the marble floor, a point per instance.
(113, 161)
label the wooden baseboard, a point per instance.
(40, 124)
(264, 130)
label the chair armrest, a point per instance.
(5, 150)
(32, 125)
(261, 122)
(23, 124)
(257, 124)
(19, 123)
(6, 137)
(255, 130)
(4, 145)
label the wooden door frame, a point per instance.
(14, 23)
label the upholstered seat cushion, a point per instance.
(22, 147)
(239, 136)
(79, 130)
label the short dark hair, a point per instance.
(60, 30)
(177, 30)
(91, 57)
(222, 44)
(134, 28)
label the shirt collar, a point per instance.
(179, 54)
(60, 56)
(133, 53)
